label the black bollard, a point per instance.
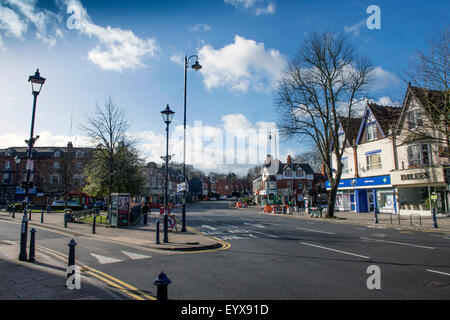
(376, 215)
(23, 239)
(29, 212)
(434, 218)
(161, 283)
(93, 224)
(157, 232)
(71, 261)
(42, 215)
(65, 220)
(14, 211)
(31, 258)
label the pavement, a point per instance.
(399, 222)
(140, 235)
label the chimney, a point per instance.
(289, 160)
(322, 170)
(69, 145)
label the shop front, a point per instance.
(365, 194)
(420, 190)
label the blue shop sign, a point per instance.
(19, 190)
(363, 182)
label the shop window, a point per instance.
(419, 155)
(371, 131)
(374, 161)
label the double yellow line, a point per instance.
(123, 287)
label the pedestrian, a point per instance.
(145, 209)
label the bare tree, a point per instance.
(429, 72)
(323, 84)
(107, 129)
(312, 158)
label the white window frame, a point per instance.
(345, 168)
(374, 166)
(371, 131)
(56, 165)
(286, 173)
(416, 155)
(299, 173)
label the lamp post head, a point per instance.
(167, 115)
(196, 66)
(36, 82)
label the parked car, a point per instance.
(58, 203)
(213, 199)
(223, 197)
(100, 204)
(73, 203)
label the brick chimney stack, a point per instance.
(289, 160)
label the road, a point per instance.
(274, 258)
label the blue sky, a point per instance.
(131, 50)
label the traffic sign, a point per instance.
(181, 187)
(171, 221)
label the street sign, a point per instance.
(171, 221)
(181, 187)
(434, 196)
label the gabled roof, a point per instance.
(386, 118)
(353, 127)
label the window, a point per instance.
(79, 154)
(57, 154)
(7, 165)
(299, 173)
(370, 118)
(309, 185)
(288, 173)
(344, 165)
(374, 161)
(419, 155)
(371, 131)
(79, 165)
(56, 165)
(55, 179)
(414, 119)
(5, 178)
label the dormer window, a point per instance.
(299, 173)
(414, 119)
(57, 154)
(371, 131)
(370, 118)
(288, 173)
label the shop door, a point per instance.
(352, 202)
(370, 198)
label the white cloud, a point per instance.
(234, 145)
(201, 27)
(355, 29)
(117, 49)
(12, 23)
(241, 65)
(384, 79)
(257, 7)
(177, 58)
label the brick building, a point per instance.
(54, 170)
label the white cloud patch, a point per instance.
(235, 145)
(241, 65)
(117, 49)
(257, 7)
(201, 27)
(355, 29)
(384, 79)
(17, 15)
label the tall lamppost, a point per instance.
(17, 160)
(196, 66)
(167, 115)
(36, 85)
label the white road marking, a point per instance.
(205, 226)
(104, 260)
(266, 234)
(315, 231)
(272, 224)
(344, 252)
(255, 225)
(135, 256)
(399, 243)
(446, 274)
(211, 220)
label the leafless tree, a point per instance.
(324, 82)
(429, 72)
(107, 130)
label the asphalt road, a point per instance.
(275, 258)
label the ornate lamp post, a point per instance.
(167, 115)
(196, 66)
(36, 85)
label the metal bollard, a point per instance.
(14, 211)
(410, 220)
(65, 220)
(71, 261)
(398, 216)
(420, 220)
(31, 258)
(161, 283)
(390, 216)
(157, 232)
(376, 215)
(434, 218)
(29, 213)
(145, 219)
(93, 224)
(42, 215)
(23, 239)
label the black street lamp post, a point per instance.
(17, 160)
(167, 115)
(36, 85)
(196, 66)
